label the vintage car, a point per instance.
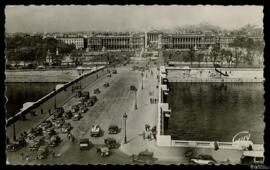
(82, 108)
(58, 112)
(75, 108)
(43, 152)
(85, 94)
(66, 127)
(49, 132)
(85, 144)
(109, 75)
(106, 84)
(76, 116)
(111, 143)
(92, 100)
(113, 129)
(58, 122)
(16, 145)
(114, 71)
(67, 115)
(78, 92)
(45, 125)
(103, 150)
(95, 131)
(133, 88)
(54, 141)
(96, 91)
(35, 143)
(143, 157)
(252, 157)
(34, 132)
(203, 160)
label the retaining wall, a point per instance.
(61, 95)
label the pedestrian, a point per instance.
(41, 111)
(145, 127)
(49, 111)
(22, 156)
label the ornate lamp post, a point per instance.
(55, 98)
(14, 132)
(125, 119)
(142, 79)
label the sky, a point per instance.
(129, 17)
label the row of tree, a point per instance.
(34, 48)
(231, 57)
(248, 43)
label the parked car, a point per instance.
(67, 115)
(54, 141)
(111, 143)
(66, 127)
(58, 122)
(76, 116)
(203, 160)
(78, 93)
(95, 131)
(96, 91)
(58, 112)
(34, 132)
(114, 71)
(86, 94)
(103, 150)
(85, 144)
(82, 108)
(45, 125)
(252, 157)
(106, 84)
(41, 67)
(75, 108)
(109, 75)
(16, 145)
(49, 132)
(143, 157)
(43, 152)
(35, 143)
(92, 100)
(113, 129)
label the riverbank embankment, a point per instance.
(40, 76)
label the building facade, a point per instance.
(77, 41)
(157, 40)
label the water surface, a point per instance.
(215, 112)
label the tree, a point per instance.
(200, 58)
(191, 56)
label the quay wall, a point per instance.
(33, 76)
(61, 95)
(165, 140)
(210, 75)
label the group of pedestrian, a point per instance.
(149, 133)
(153, 100)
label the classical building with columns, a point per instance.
(155, 40)
(76, 40)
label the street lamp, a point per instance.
(125, 119)
(55, 98)
(142, 80)
(133, 88)
(14, 132)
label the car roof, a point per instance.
(254, 153)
